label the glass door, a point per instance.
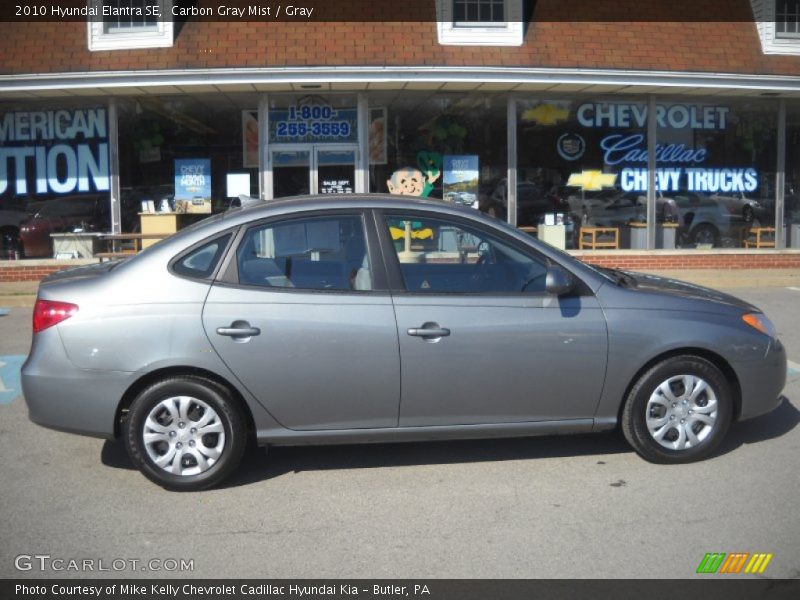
(290, 172)
(313, 169)
(336, 170)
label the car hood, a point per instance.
(689, 291)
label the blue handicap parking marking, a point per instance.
(10, 387)
(3, 312)
(793, 370)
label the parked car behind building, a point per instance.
(70, 213)
(705, 220)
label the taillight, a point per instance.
(47, 313)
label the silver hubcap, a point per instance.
(183, 435)
(681, 412)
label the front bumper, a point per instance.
(762, 382)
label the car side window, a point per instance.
(436, 256)
(316, 253)
(200, 263)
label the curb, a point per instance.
(17, 301)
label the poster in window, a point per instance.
(193, 185)
(250, 139)
(377, 136)
(461, 178)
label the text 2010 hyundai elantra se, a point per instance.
(375, 319)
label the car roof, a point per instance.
(340, 201)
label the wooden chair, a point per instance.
(759, 237)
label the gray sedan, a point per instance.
(326, 320)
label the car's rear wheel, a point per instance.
(185, 433)
(678, 411)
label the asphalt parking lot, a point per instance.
(580, 506)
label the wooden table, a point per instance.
(115, 249)
(592, 234)
(164, 223)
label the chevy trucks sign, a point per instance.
(54, 152)
(680, 163)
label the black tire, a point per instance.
(202, 391)
(705, 234)
(634, 414)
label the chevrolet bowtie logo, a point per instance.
(592, 181)
(546, 114)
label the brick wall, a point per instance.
(691, 260)
(659, 39)
(34, 270)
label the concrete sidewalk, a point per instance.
(23, 293)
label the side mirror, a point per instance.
(558, 281)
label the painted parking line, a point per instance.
(794, 289)
(794, 368)
(10, 387)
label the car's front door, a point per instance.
(480, 339)
(299, 321)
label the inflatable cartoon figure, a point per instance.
(409, 181)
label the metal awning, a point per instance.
(442, 79)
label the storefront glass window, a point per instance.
(440, 145)
(176, 153)
(716, 161)
(791, 208)
(569, 171)
(54, 173)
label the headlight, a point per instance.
(760, 322)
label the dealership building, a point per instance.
(639, 134)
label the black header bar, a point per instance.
(320, 11)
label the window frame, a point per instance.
(229, 271)
(161, 37)
(764, 14)
(787, 35)
(397, 282)
(501, 33)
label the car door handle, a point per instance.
(431, 332)
(239, 329)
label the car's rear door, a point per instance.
(480, 340)
(306, 323)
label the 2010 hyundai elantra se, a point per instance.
(326, 320)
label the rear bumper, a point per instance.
(61, 396)
(762, 382)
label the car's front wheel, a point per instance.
(678, 411)
(185, 433)
(705, 234)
